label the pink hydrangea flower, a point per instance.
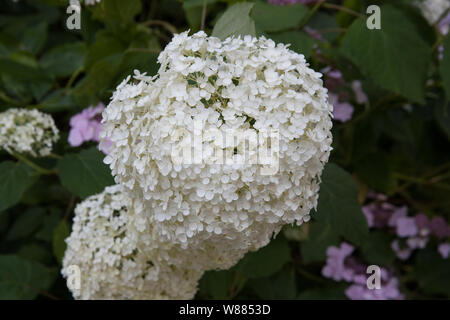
(388, 291)
(439, 227)
(360, 95)
(443, 27)
(444, 24)
(342, 111)
(406, 227)
(444, 250)
(86, 125)
(380, 215)
(401, 253)
(341, 265)
(335, 267)
(334, 82)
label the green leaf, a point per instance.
(395, 57)
(34, 38)
(266, 261)
(188, 4)
(377, 249)
(22, 72)
(57, 100)
(215, 284)
(376, 172)
(299, 41)
(15, 179)
(105, 45)
(59, 236)
(331, 292)
(321, 235)
(445, 67)
(324, 21)
(84, 173)
(338, 204)
(442, 116)
(50, 223)
(63, 60)
(35, 252)
(235, 21)
(23, 279)
(100, 77)
(135, 60)
(272, 18)
(121, 12)
(39, 89)
(26, 224)
(279, 286)
(344, 18)
(433, 272)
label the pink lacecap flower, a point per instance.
(86, 125)
(444, 250)
(388, 291)
(406, 227)
(444, 25)
(401, 253)
(380, 215)
(334, 82)
(360, 95)
(341, 265)
(439, 227)
(342, 111)
(335, 267)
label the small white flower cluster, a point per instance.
(27, 131)
(118, 262)
(235, 84)
(432, 10)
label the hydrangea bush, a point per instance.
(94, 124)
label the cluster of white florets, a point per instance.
(27, 132)
(188, 217)
(238, 84)
(118, 262)
(432, 10)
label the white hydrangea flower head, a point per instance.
(239, 85)
(115, 262)
(432, 10)
(26, 131)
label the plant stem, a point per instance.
(309, 275)
(73, 77)
(144, 50)
(69, 207)
(54, 156)
(166, 25)
(344, 9)
(9, 100)
(202, 24)
(33, 165)
(311, 14)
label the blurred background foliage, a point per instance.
(396, 143)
